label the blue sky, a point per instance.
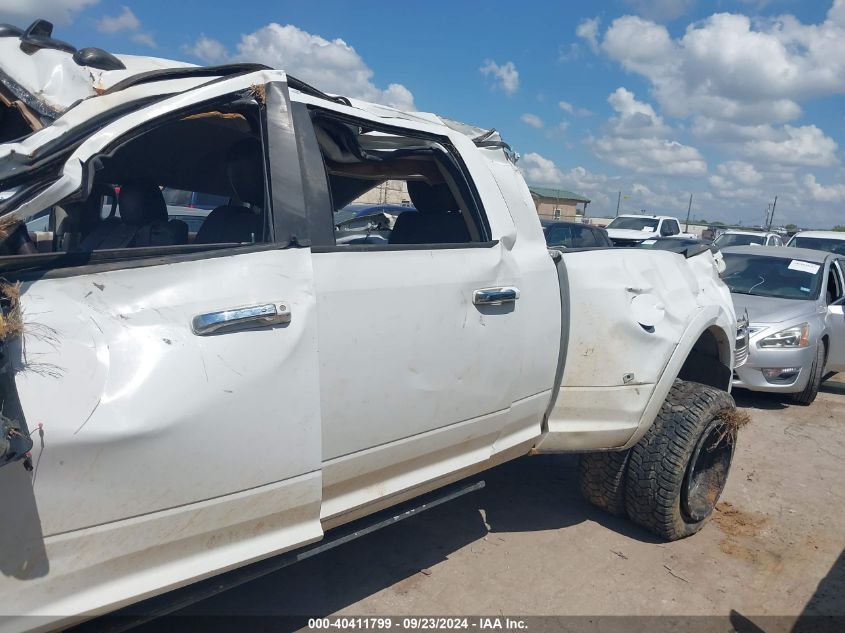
(732, 101)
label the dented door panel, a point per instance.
(167, 452)
(133, 401)
(155, 437)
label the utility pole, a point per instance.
(618, 200)
(772, 216)
(689, 208)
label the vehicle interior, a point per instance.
(771, 277)
(835, 286)
(209, 165)
(358, 160)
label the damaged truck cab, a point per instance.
(203, 397)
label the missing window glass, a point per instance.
(389, 188)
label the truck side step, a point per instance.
(147, 610)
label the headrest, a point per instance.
(141, 202)
(431, 198)
(244, 165)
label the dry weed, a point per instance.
(11, 320)
(259, 91)
(731, 421)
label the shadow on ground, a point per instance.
(529, 494)
(760, 400)
(779, 401)
(824, 612)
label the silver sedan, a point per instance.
(794, 299)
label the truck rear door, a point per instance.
(423, 324)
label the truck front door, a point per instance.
(176, 386)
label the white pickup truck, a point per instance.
(179, 403)
(632, 230)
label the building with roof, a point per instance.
(558, 203)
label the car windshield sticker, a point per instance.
(649, 242)
(804, 267)
(803, 289)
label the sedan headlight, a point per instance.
(795, 336)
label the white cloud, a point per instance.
(23, 12)
(822, 193)
(804, 145)
(505, 77)
(635, 119)
(207, 50)
(571, 109)
(650, 155)
(740, 171)
(539, 170)
(638, 139)
(125, 21)
(144, 38)
(533, 120)
(717, 131)
(330, 65)
(727, 67)
(588, 30)
(782, 145)
(737, 180)
(569, 53)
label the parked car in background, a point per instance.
(712, 232)
(630, 230)
(574, 235)
(832, 241)
(360, 210)
(736, 237)
(367, 223)
(794, 300)
(682, 245)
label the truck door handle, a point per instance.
(241, 318)
(495, 296)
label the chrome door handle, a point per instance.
(241, 318)
(495, 296)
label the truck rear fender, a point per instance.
(693, 359)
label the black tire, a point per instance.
(601, 477)
(677, 471)
(810, 392)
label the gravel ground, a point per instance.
(528, 545)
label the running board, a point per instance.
(147, 610)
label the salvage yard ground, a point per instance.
(528, 545)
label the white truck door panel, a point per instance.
(417, 382)
(141, 414)
(172, 447)
(166, 456)
(403, 348)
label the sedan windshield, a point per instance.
(765, 276)
(737, 239)
(634, 224)
(830, 245)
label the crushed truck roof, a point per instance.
(47, 77)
